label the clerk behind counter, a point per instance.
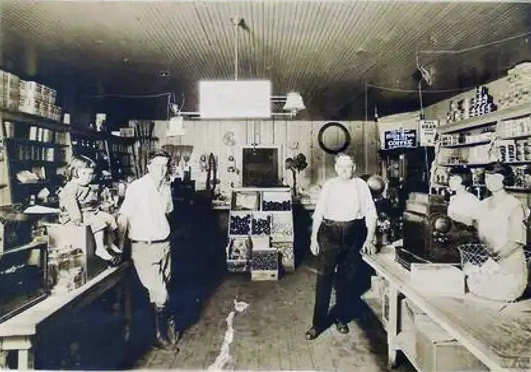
(502, 227)
(463, 204)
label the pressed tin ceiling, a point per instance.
(326, 50)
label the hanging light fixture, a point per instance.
(176, 127)
(294, 102)
(176, 123)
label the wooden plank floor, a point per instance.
(269, 335)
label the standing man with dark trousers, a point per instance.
(144, 215)
(343, 225)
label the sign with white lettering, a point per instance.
(400, 139)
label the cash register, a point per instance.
(429, 236)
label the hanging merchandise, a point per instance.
(211, 174)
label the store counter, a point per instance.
(499, 336)
(20, 332)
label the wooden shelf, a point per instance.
(492, 118)
(471, 144)
(441, 185)
(25, 247)
(36, 143)
(266, 189)
(38, 121)
(523, 162)
(465, 165)
(38, 162)
(89, 134)
(520, 136)
(518, 189)
(125, 140)
(38, 183)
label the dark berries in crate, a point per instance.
(276, 206)
(261, 226)
(265, 260)
(240, 225)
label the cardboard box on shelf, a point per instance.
(8, 79)
(437, 279)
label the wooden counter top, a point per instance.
(26, 323)
(497, 334)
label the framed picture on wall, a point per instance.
(260, 166)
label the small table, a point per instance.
(501, 341)
(18, 333)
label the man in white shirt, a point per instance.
(344, 222)
(143, 214)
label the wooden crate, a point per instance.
(264, 264)
(262, 275)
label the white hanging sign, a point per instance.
(427, 132)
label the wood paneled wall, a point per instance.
(293, 137)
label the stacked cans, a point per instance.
(481, 104)
(511, 151)
(38, 99)
(9, 91)
(514, 127)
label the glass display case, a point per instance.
(72, 258)
(23, 278)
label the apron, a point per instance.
(506, 279)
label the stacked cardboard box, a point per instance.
(38, 99)
(9, 91)
(27, 96)
(519, 78)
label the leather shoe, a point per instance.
(312, 333)
(342, 327)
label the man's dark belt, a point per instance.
(150, 241)
(351, 222)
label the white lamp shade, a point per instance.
(294, 102)
(176, 127)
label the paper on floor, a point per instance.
(224, 357)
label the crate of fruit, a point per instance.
(239, 223)
(238, 253)
(264, 264)
(276, 201)
(261, 223)
(282, 226)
